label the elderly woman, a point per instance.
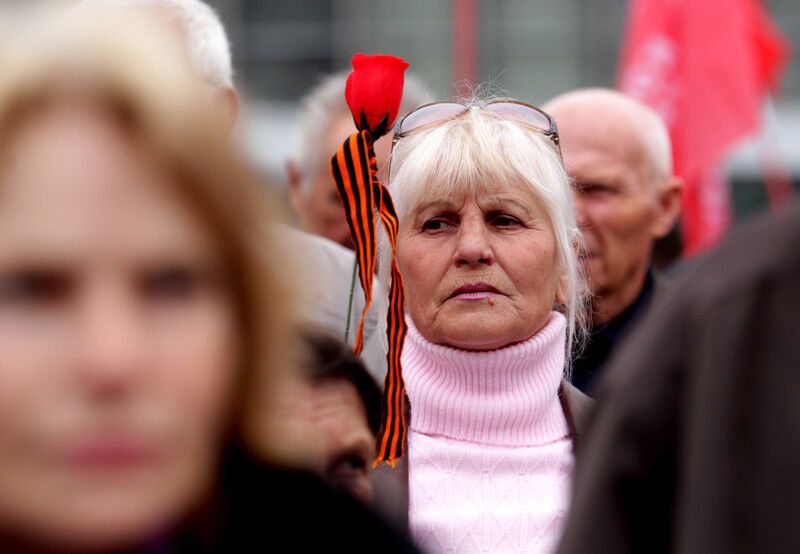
(142, 326)
(487, 248)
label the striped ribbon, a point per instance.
(355, 171)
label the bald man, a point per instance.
(617, 152)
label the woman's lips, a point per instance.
(111, 452)
(474, 291)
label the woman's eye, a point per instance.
(505, 221)
(435, 224)
(171, 283)
(33, 287)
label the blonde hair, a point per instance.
(479, 152)
(132, 74)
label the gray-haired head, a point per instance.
(613, 115)
(208, 47)
(617, 151)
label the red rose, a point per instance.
(374, 90)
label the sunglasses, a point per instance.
(436, 113)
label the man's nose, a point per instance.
(579, 204)
(474, 244)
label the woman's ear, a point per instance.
(561, 291)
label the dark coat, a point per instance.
(695, 443)
(258, 508)
(390, 486)
(587, 368)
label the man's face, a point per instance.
(340, 422)
(616, 207)
(315, 198)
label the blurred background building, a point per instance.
(530, 49)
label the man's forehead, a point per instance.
(343, 126)
(615, 125)
(590, 130)
(594, 169)
(599, 146)
(340, 128)
(337, 396)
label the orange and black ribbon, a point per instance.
(355, 172)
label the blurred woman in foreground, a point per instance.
(140, 329)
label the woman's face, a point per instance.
(118, 346)
(480, 272)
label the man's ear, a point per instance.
(293, 180)
(669, 206)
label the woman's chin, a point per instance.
(88, 530)
(107, 512)
(478, 332)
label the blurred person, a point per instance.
(694, 446)
(325, 122)
(199, 28)
(343, 411)
(617, 153)
(324, 281)
(326, 267)
(142, 330)
(494, 305)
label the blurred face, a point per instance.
(317, 203)
(117, 339)
(330, 418)
(341, 421)
(616, 207)
(480, 272)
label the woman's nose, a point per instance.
(473, 247)
(109, 345)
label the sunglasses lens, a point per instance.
(520, 114)
(427, 115)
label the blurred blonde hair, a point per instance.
(134, 72)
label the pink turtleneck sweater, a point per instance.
(490, 462)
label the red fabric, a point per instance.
(373, 91)
(705, 66)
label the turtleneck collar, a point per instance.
(507, 396)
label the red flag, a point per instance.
(705, 66)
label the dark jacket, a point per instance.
(390, 486)
(604, 339)
(257, 508)
(695, 443)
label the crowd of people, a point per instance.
(173, 374)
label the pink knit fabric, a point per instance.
(490, 462)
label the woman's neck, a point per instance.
(507, 396)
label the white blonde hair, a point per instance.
(206, 41)
(481, 151)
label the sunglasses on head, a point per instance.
(436, 113)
